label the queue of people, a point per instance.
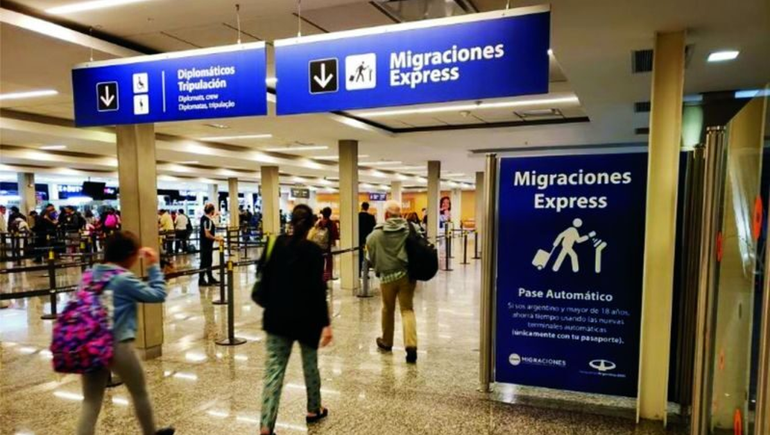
(292, 290)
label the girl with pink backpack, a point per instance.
(95, 332)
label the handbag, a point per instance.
(259, 289)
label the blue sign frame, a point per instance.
(570, 256)
(211, 83)
(477, 56)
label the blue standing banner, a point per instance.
(219, 82)
(569, 271)
(477, 56)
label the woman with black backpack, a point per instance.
(293, 293)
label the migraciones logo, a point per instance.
(602, 365)
(515, 360)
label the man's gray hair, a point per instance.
(393, 208)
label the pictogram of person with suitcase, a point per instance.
(567, 240)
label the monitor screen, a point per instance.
(94, 190)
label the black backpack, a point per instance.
(423, 257)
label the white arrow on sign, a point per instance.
(107, 99)
(324, 79)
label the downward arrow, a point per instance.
(324, 79)
(107, 99)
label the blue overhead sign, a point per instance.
(478, 56)
(569, 272)
(220, 82)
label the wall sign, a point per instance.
(197, 84)
(375, 197)
(569, 271)
(489, 55)
(300, 193)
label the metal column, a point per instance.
(488, 274)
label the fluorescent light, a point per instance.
(550, 51)
(219, 126)
(751, 93)
(53, 147)
(360, 156)
(238, 137)
(189, 162)
(721, 56)
(474, 106)
(381, 163)
(28, 94)
(89, 5)
(409, 168)
(298, 148)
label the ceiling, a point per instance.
(591, 42)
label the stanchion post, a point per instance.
(476, 255)
(231, 339)
(246, 238)
(51, 285)
(448, 249)
(222, 299)
(465, 247)
(364, 292)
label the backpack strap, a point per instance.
(98, 286)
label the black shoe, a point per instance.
(166, 431)
(320, 415)
(213, 281)
(382, 346)
(202, 283)
(411, 355)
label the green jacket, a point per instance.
(386, 247)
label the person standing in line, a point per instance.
(327, 224)
(166, 224)
(121, 252)
(386, 247)
(294, 295)
(208, 230)
(366, 224)
(3, 223)
(181, 229)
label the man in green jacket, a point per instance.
(386, 248)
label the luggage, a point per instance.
(82, 336)
(541, 259)
(423, 256)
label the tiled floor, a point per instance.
(202, 388)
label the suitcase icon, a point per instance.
(541, 259)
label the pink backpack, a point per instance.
(111, 221)
(82, 336)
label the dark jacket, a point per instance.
(295, 293)
(366, 223)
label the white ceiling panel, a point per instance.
(278, 27)
(348, 17)
(210, 36)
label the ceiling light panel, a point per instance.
(298, 148)
(721, 56)
(28, 94)
(473, 106)
(237, 137)
(89, 6)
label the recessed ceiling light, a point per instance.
(237, 137)
(189, 162)
(721, 56)
(218, 126)
(53, 147)
(28, 94)
(360, 156)
(89, 5)
(474, 106)
(298, 148)
(381, 163)
(550, 51)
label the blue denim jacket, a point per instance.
(126, 290)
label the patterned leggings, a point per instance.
(278, 353)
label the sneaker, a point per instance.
(411, 355)
(381, 344)
(166, 431)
